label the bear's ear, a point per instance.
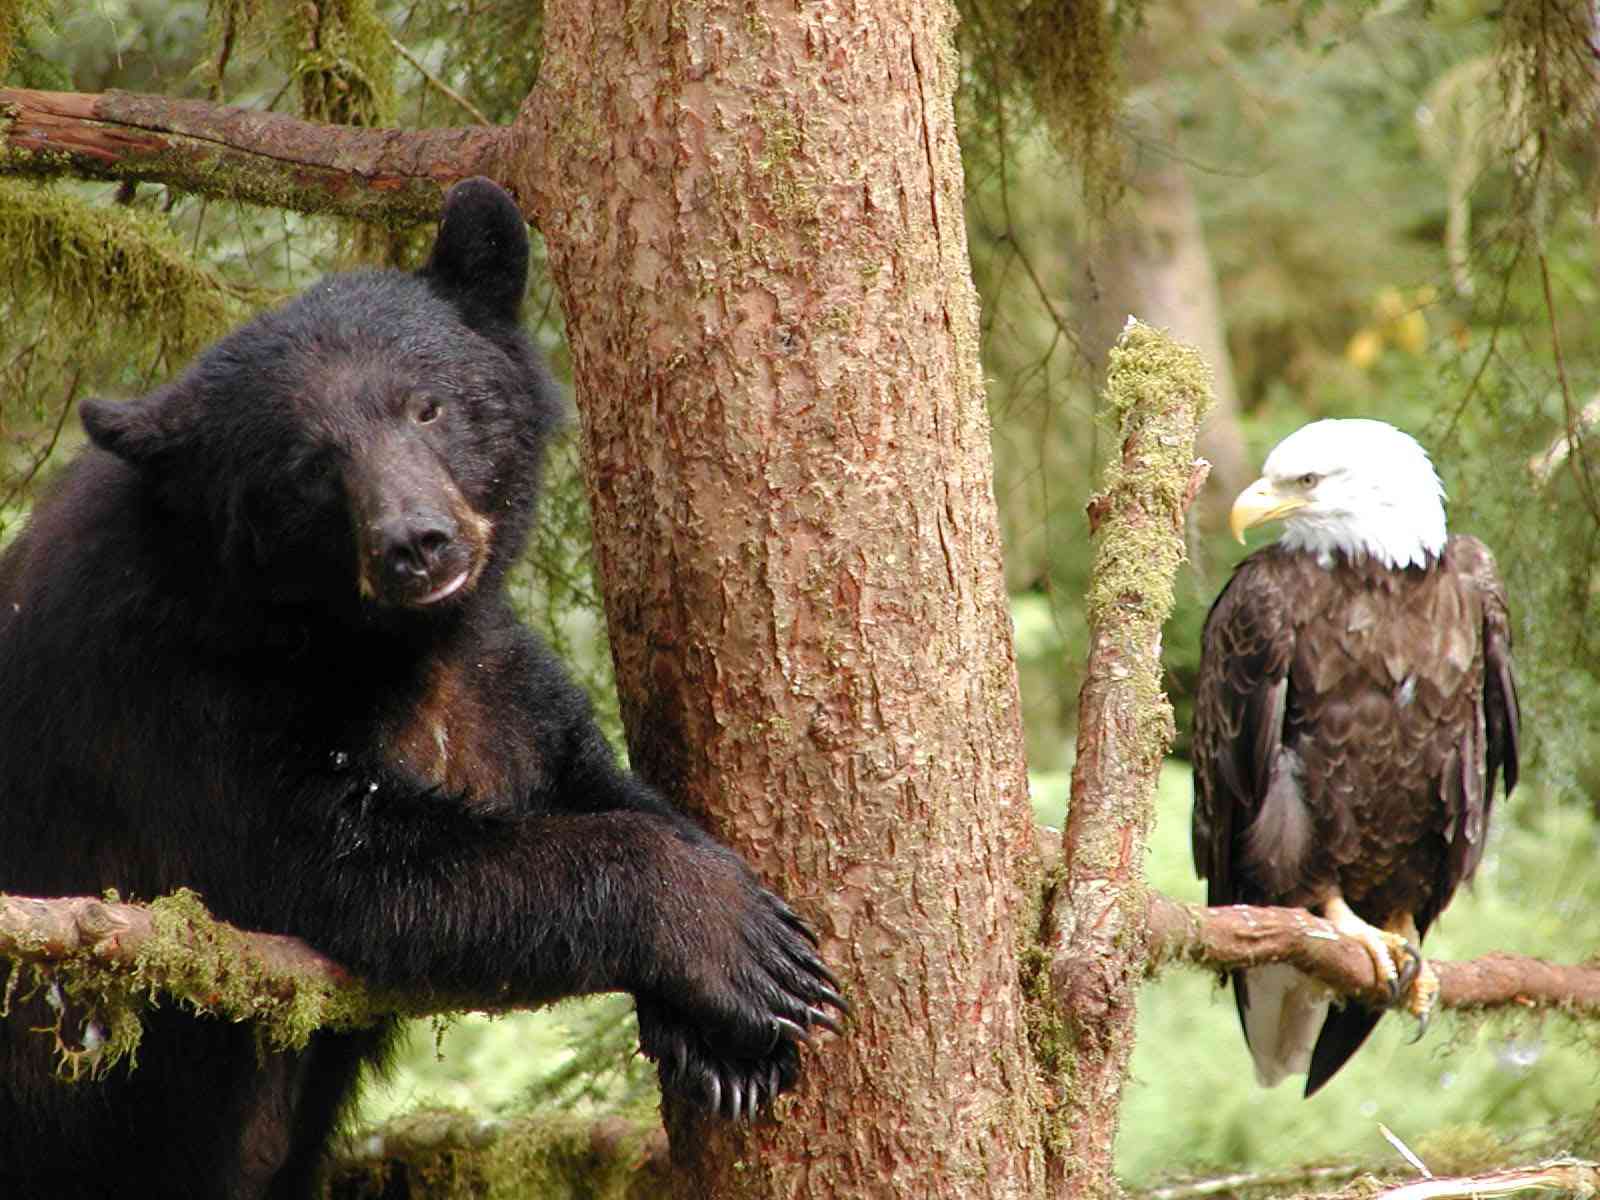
(480, 257)
(138, 431)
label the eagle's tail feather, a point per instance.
(1342, 1034)
(1281, 1011)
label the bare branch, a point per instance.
(383, 176)
(1242, 936)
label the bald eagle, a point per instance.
(1355, 703)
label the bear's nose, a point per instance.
(412, 548)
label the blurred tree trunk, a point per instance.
(756, 225)
(1151, 262)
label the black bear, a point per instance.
(256, 643)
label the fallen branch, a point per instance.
(1298, 1180)
(1241, 936)
(1570, 1177)
(385, 176)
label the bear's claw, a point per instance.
(733, 1049)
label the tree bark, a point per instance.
(756, 225)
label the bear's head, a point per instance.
(370, 449)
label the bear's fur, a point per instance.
(256, 643)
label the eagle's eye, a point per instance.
(1309, 480)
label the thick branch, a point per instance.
(115, 955)
(58, 930)
(385, 176)
(1241, 936)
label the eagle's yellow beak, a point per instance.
(1261, 502)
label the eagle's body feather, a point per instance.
(1351, 718)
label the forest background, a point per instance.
(1337, 201)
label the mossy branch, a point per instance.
(1158, 390)
(1222, 939)
(108, 960)
(440, 1153)
(382, 176)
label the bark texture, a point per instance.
(1097, 931)
(755, 220)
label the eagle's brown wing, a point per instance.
(1488, 744)
(1240, 700)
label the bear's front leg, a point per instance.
(417, 891)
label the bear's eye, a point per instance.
(429, 412)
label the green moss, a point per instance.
(1159, 390)
(196, 957)
(1049, 1038)
(1049, 61)
(342, 60)
(1069, 59)
(207, 966)
(107, 264)
(445, 1154)
(780, 180)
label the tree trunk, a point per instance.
(755, 221)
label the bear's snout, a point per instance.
(413, 548)
(418, 538)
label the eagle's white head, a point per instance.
(1355, 487)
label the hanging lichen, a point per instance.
(343, 62)
(338, 53)
(1068, 55)
(1059, 59)
(1547, 66)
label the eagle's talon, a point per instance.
(1410, 970)
(1424, 994)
